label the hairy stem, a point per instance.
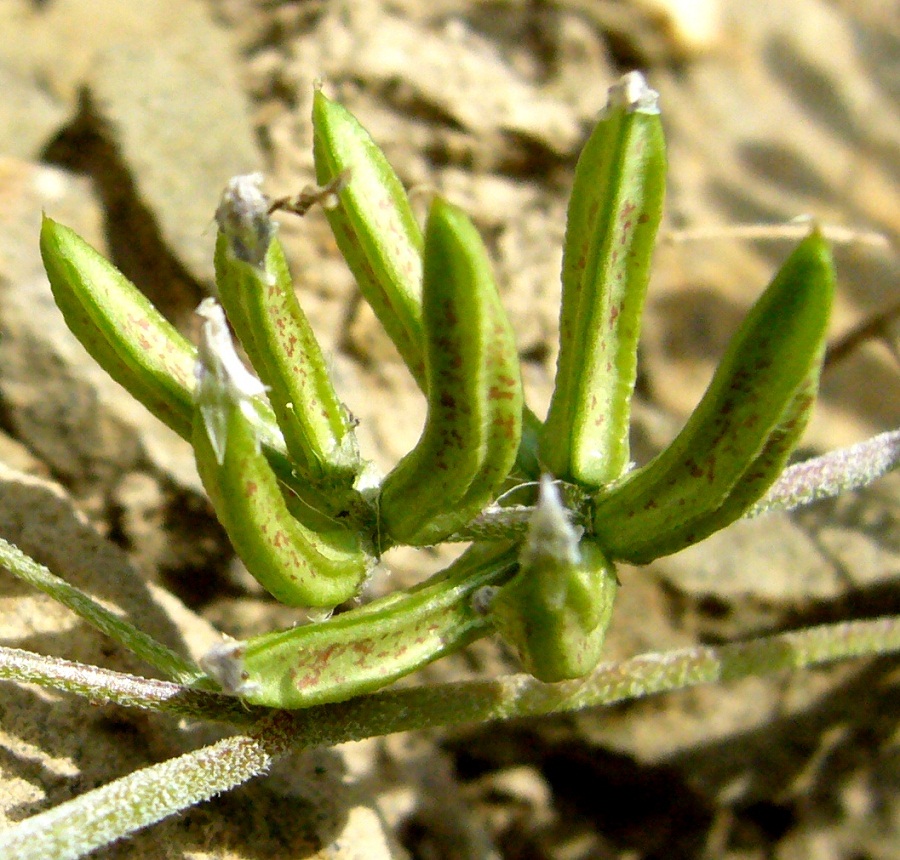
(144, 797)
(130, 691)
(139, 643)
(813, 480)
(512, 696)
(101, 816)
(517, 696)
(831, 474)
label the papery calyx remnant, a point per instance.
(632, 93)
(550, 530)
(243, 216)
(221, 374)
(216, 354)
(224, 663)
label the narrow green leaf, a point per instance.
(832, 474)
(100, 817)
(139, 643)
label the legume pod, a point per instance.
(133, 342)
(379, 238)
(556, 609)
(614, 212)
(256, 290)
(472, 430)
(744, 427)
(297, 565)
(367, 648)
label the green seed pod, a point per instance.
(614, 212)
(379, 238)
(473, 426)
(556, 609)
(255, 288)
(367, 648)
(119, 327)
(298, 566)
(133, 342)
(374, 227)
(754, 408)
(755, 480)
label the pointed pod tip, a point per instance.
(446, 216)
(445, 221)
(243, 218)
(320, 102)
(817, 233)
(440, 205)
(326, 110)
(632, 93)
(58, 243)
(815, 249)
(49, 227)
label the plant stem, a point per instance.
(813, 480)
(139, 643)
(517, 696)
(831, 474)
(144, 797)
(130, 691)
(512, 696)
(149, 795)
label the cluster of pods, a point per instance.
(277, 452)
